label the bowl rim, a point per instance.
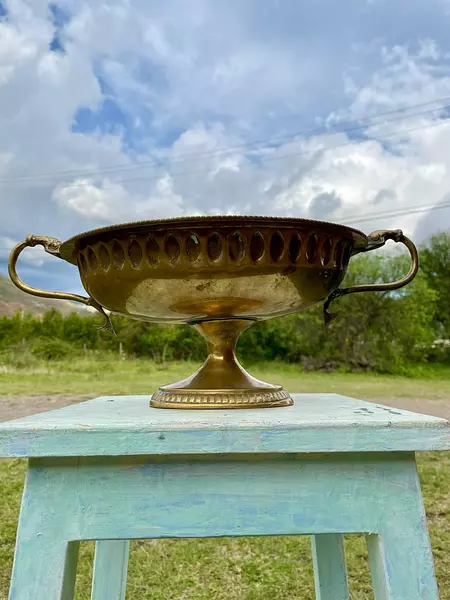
(68, 247)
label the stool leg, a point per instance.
(330, 571)
(400, 556)
(70, 571)
(43, 568)
(402, 565)
(46, 554)
(110, 570)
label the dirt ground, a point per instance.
(14, 407)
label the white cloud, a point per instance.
(100, 202)
(110, 202)
(407, 77)
(15, 49)
(164, 202)
(6, 245)
(35, 257)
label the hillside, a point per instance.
(12, 299)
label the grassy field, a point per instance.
(246, 568)
(107, 375)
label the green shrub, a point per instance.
(52, 348)
(18, 356)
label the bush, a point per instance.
(439, 351)
(52, 348)
(18, 356)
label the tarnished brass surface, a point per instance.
(221, 381)
(190, 270)
(52, 246)
(220, 274)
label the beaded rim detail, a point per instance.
(207, 400)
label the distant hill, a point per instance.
(12, 299)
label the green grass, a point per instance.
(245, 568)
(106, 375)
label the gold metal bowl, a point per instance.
(219, 274)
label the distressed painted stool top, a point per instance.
(127, 425)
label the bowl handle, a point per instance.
(51, 245)
(376, 240)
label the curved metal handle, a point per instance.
(376, 240)
(51, 245)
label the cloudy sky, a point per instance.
(137, 109)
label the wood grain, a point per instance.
(126, 425)
(330, 570)
(109, 580)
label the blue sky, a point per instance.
(135, 109)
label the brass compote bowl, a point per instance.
(220, 275)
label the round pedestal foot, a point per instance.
(202, 399)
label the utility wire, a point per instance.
(362, 218)
(270, 159)
(394, 213)
(372, 216)
(351, 126)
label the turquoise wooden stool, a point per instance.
(113, 469)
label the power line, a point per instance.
(371, 121)
(395, 213)
(270, 159)
(374, 216)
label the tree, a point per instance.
(383, 330)
(435, 264)
(53, 324)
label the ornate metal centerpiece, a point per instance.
(220, 275)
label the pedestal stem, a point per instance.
(221, 380)
(221, 370)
